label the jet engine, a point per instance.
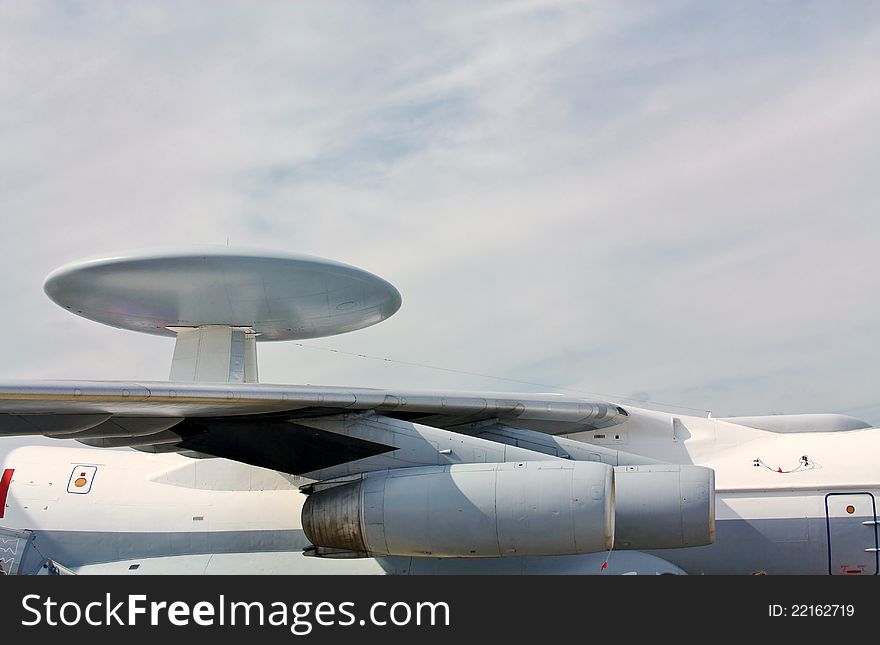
(530, 508)
(468, 510)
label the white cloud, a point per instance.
(673, 198)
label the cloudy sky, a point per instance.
(675, 201)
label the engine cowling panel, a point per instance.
(664, 506)
(513, 509)
(468, 510)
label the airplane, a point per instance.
(213, 472)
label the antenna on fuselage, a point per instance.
(219, 301)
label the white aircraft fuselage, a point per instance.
(786, 503)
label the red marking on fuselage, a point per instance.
(4, 488)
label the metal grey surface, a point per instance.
(587, 564)
(77, 548)
(789, 546)
(664, 506)
(286, 563)
(128, 398)
(801, 422)
(49, 407)
(414, 445)
(348, 444)
(555, 508)
(156, 439)
(852, 533)
(332, 517)
(328, 447)
(261, 563)
(50, 425)
(741, 547)
(214, 354)
(469, 510)
(551, 445)
(257, 423)
(117, 427)
(282, 296)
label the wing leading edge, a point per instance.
(264, 424)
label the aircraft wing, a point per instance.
(275, 426)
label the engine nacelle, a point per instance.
(664, 506)
(468, 510)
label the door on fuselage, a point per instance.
(852, 534)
